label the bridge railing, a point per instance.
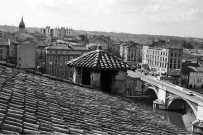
(184, 89)
(163, 81)
(194, 92)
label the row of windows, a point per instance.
(157, 52)
(164, 65)
(196, 74)
(156, 58)
(158, 64)
(65, 73)
(64, 52)
(136, 59)
(133, 50)
(60, 59)
(175, 55)
(174, 60)
(197, 80)
(175, 66)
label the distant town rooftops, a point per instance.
(20, 37)
(166, 46)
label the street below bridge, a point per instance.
(177, 90)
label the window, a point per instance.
(170, 65)
(178, 66)
(175, 54)
(1, 51)
(171, 60)
(171, 54)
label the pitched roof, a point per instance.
(67, 47)
(99, 59)
(33, 104)
(131, 43)
(196, 69)
(37, 34)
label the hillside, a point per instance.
(8, 28)
(141, 38)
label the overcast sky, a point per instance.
(160, 17)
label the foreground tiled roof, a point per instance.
(99, 59)
(32, 104)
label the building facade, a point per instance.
(57, 32)
(131, 52)
(4, 50)
(194, 77)
(56, 57)
(26, 55)
(167, 59)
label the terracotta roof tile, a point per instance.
(32, 104)
(99, 60)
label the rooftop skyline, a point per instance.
(159, 17)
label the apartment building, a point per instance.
(131, 52)
(166, 59)
(56, 57)
(194, 77)
(57, 32)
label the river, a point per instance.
(181, 120)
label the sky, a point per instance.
(157, 17)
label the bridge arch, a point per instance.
(151, 91)
(177, 100)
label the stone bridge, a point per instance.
(169, 101)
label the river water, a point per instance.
(181, 120)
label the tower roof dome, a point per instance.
(22, 24)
